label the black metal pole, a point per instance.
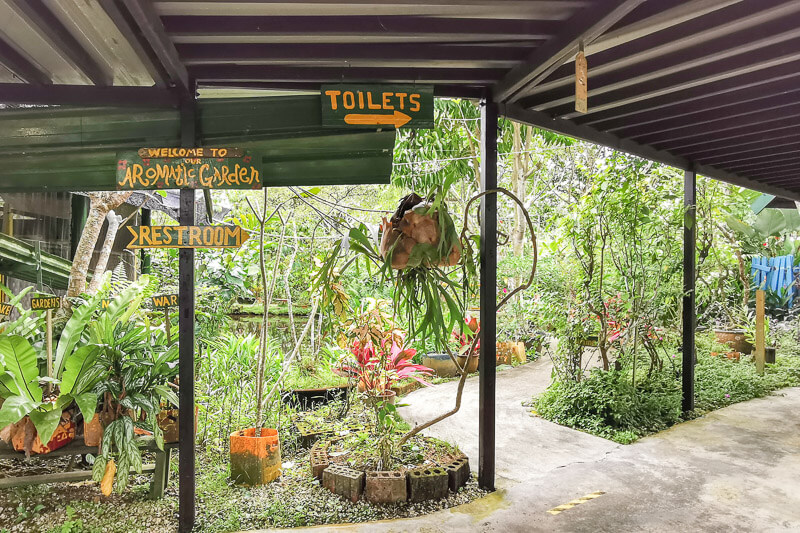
(488, 296)
(689, 312)
(186, 470)
(145, 255)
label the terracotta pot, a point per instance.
(388, 396)
(255, 457)
(441, 364)
(168, 422)
(735, 356)
(735, 339)
(63, 435)
(93, 431)
(471, 362)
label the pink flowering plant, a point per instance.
(380, 367)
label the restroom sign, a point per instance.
(377, 106)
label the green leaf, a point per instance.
(769, 223)
(15, 408)
(740, 227)
(87, 403)
(73, 330)
(20, 360)
(46, 423)
(77, 365)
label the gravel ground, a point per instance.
(295, 500)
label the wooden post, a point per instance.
(689, 311)
(168, 326)
(760, 331)
(49, 323)
(488, 297)
(186, 463)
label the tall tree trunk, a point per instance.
(100, 203)
(114, 222)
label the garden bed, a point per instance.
(295, 499)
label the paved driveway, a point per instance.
(737, 469)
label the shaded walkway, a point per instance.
(737, 469)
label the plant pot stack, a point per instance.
(410, 226)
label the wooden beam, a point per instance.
(584, 27)
(566, 127)
(150, 23)
(138, 42)
(21, 67)
(87, 95)
(50, 29)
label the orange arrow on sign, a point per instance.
(398, 119)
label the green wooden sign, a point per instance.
(187, 236)
(371, 106)
(44, 303)
(187, 168)
(164, 300)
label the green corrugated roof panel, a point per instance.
(18, 259)
(69, 149)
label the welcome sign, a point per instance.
(188, 168)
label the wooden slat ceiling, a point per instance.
(703, 84)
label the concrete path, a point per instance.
(737, 469)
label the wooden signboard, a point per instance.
(188, 168)
(581, 84)
(371, 106)
(43, 303)
(187, 236)
(164, 300)
(5, 309)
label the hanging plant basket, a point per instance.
(420, 233)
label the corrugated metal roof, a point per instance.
(703, 84)
(53, 149)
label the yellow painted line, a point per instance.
(573, 503)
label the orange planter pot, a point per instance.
(255, 459)
(63, 435)
(168, 422)
(93, 431)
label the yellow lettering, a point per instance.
(333, 95)
(167, 236)
(352, 103)
(195, 236)
(180, 230)
(402, 97)
(370, 104)
(360, 100)
(155, 235)
(386, 103)
(205, 181)
(208, 235)
(144, 235)
(137, 174)
(413, 99)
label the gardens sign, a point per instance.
(187, 168)
(368, 106)
(187, 236)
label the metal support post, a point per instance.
(186, 470)
(488, 296)
(689, 311)
(145, 254)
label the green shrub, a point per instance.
(606, 403)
